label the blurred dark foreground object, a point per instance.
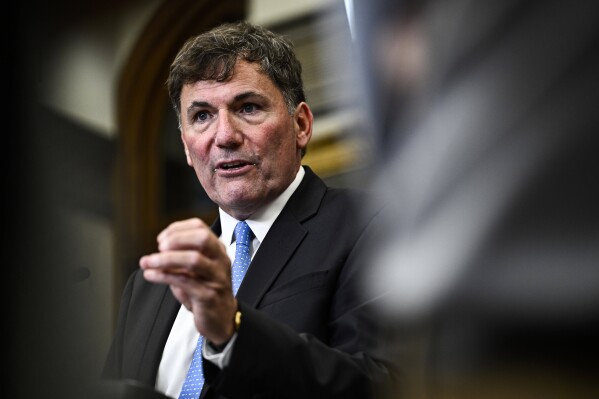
(488, 130)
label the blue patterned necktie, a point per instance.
(243, 238)
(195, 376)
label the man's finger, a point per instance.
(190, 263)
(199, 239)
(182, 225)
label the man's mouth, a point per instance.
(233, 165)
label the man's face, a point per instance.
(241, 140)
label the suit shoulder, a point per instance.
(365, 201)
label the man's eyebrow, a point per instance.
(239, 97)
(248, 94)
(198, 104)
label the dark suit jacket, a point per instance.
(307, 329)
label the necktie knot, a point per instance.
(243, 234)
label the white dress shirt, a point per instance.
(182, 340)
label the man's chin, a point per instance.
(240, 205)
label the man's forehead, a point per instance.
(242, 69)
(246, 80)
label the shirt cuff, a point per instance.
(219, 359)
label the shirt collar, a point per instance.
(263, 219)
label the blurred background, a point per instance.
(476, 120)
(486, 140)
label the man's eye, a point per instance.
(202, 116)
(249, 108)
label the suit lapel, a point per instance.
(283, 238)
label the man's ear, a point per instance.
(303, 120)
(186, 151)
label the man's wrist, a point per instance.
(217, 348)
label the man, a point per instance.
(299, 326)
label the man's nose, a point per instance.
(227, 133)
